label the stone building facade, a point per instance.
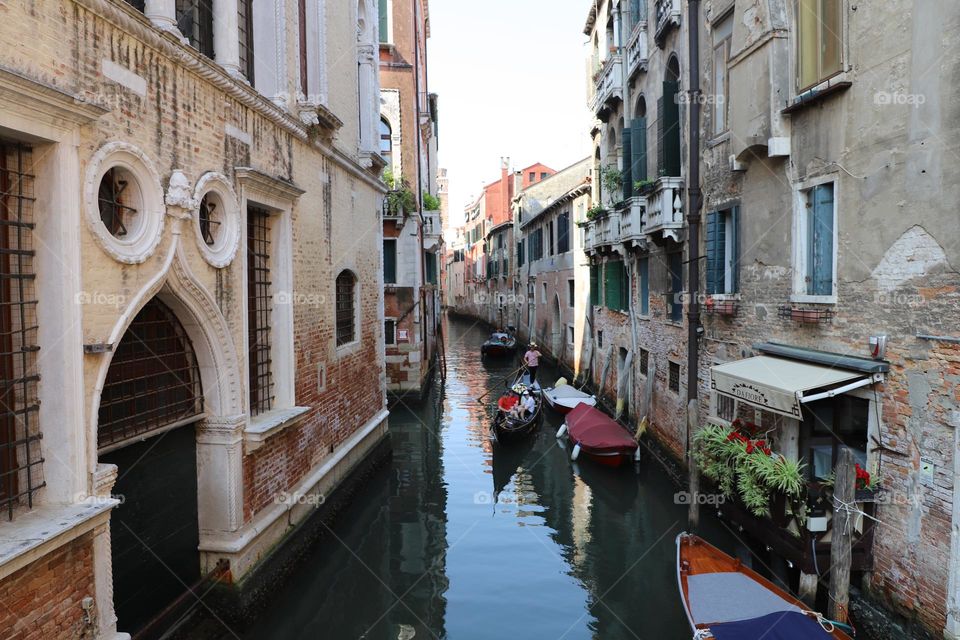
(412, 232)
(191, 224)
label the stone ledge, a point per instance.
(269, 424)
(35, 533)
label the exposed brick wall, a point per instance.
(42, 601)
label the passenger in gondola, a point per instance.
(526, 406)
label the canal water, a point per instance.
(457, 538)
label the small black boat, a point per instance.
(507, 427)
(500, 344)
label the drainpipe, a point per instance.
(416, 132)
(694, 197)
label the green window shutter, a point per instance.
(431, 267)
(716, 242)
(624, 288)
(613, 272)
(735, 258)
(820, 240)
(627, 165)
(668, 149)
(384, 21)
(644, 286)
(594, 285)
(390, 261)
(676, 286)
(638, 148)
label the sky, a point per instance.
(511, 80)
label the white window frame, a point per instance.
(800, 239)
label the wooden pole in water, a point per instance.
(844, 491)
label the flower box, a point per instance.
(806, 315)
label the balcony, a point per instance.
(637, 50)
(633, 222)
(668, 16)
(608, 84)
(431, 229)
(665, 209)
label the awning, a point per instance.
(778, 384)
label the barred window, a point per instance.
(644, 361)
(346, 308)
(153, 382)
(195, 21)
(259, 310)
(210, 213)
(245, 21)
(726, 408)
(118, 199)
(21, 461)
(674, 379)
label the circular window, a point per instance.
(124, 202)
(217, 219)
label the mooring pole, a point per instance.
(844, 492)
(693, 259)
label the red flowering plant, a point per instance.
(740, 460)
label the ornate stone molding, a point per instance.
(268, 184)
(222, 252)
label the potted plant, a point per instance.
(611, 179)
(643, 187)
(596, 211)
(430, 202)
(400, 197)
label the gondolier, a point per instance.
(532, 360)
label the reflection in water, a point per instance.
(459, 538)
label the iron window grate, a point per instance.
(153, 381)
(111, 200)
(346, 330)
(259, 310)
(674, 377)
(644, 361)
(209, 220)
(195, 21)
(21, 459)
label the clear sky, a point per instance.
(511, 76)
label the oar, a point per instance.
(505, 378)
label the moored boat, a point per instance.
(562, 398)
(507, 424)
(500, 344)
(728, 601)
(599, 437)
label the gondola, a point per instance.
(499, 345)
(506, 428)
(725, 600)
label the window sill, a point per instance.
(725, 297)
(803, 298)
(35, 533)
(718, 139)
(348, 349)
(818, 93)
(266, 425)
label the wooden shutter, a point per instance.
(611, 290)
(644, 268)
(735, 257)
(594, 285)
(820, 241)
(627, 165)
(390, 261)
(638, 144)
(668, 149)
(563, 232)
(624, 288)
(384, 21)
(715, 244)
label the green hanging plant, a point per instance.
(430, 202)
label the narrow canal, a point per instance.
(458, 539)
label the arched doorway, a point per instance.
(150, 402)
(556, 329)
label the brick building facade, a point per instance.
(194, 235)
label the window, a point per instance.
(430, 260)
(675, 275)
(643, 266)
(390, 331)
(668, 130)
(195, 21)
(259, 310)
(570, 334)
(815, 252)
(386, 142)
(346, 308)
(726, 407)
(830, 425)
(616, 286)
(245, 32)
(20, 453)
(721, 55)
(543, 292)
(550, 245)
(544, 175)
(533, 176)
(209, 219)
(595, 297)
(563, 232)
(600, 339)
(118, 199)
(722, 250)
(644, 361)
(520, 254)
(536, 244)
(571, 292)
(674, 377)
(819, 41)
(136, 4)
(389, 261)
(384, 11)
(304, 54)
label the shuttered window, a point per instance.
(668, 130)
(722, 249)
(520, 254)
(346, 308)
(431, 267)
(820, 247)
(389, 261)
(245, 33)
(643, 266)
(615, 286)
(563, 232)
(674, 299)
(384, 21)
(627, 180)
(638, 150)
(595, 285)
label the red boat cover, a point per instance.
(507, 402)
(594, 430)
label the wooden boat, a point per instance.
(595, 434)
(728, 601)
(562, 398)
(499, 345)
(507, 428)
